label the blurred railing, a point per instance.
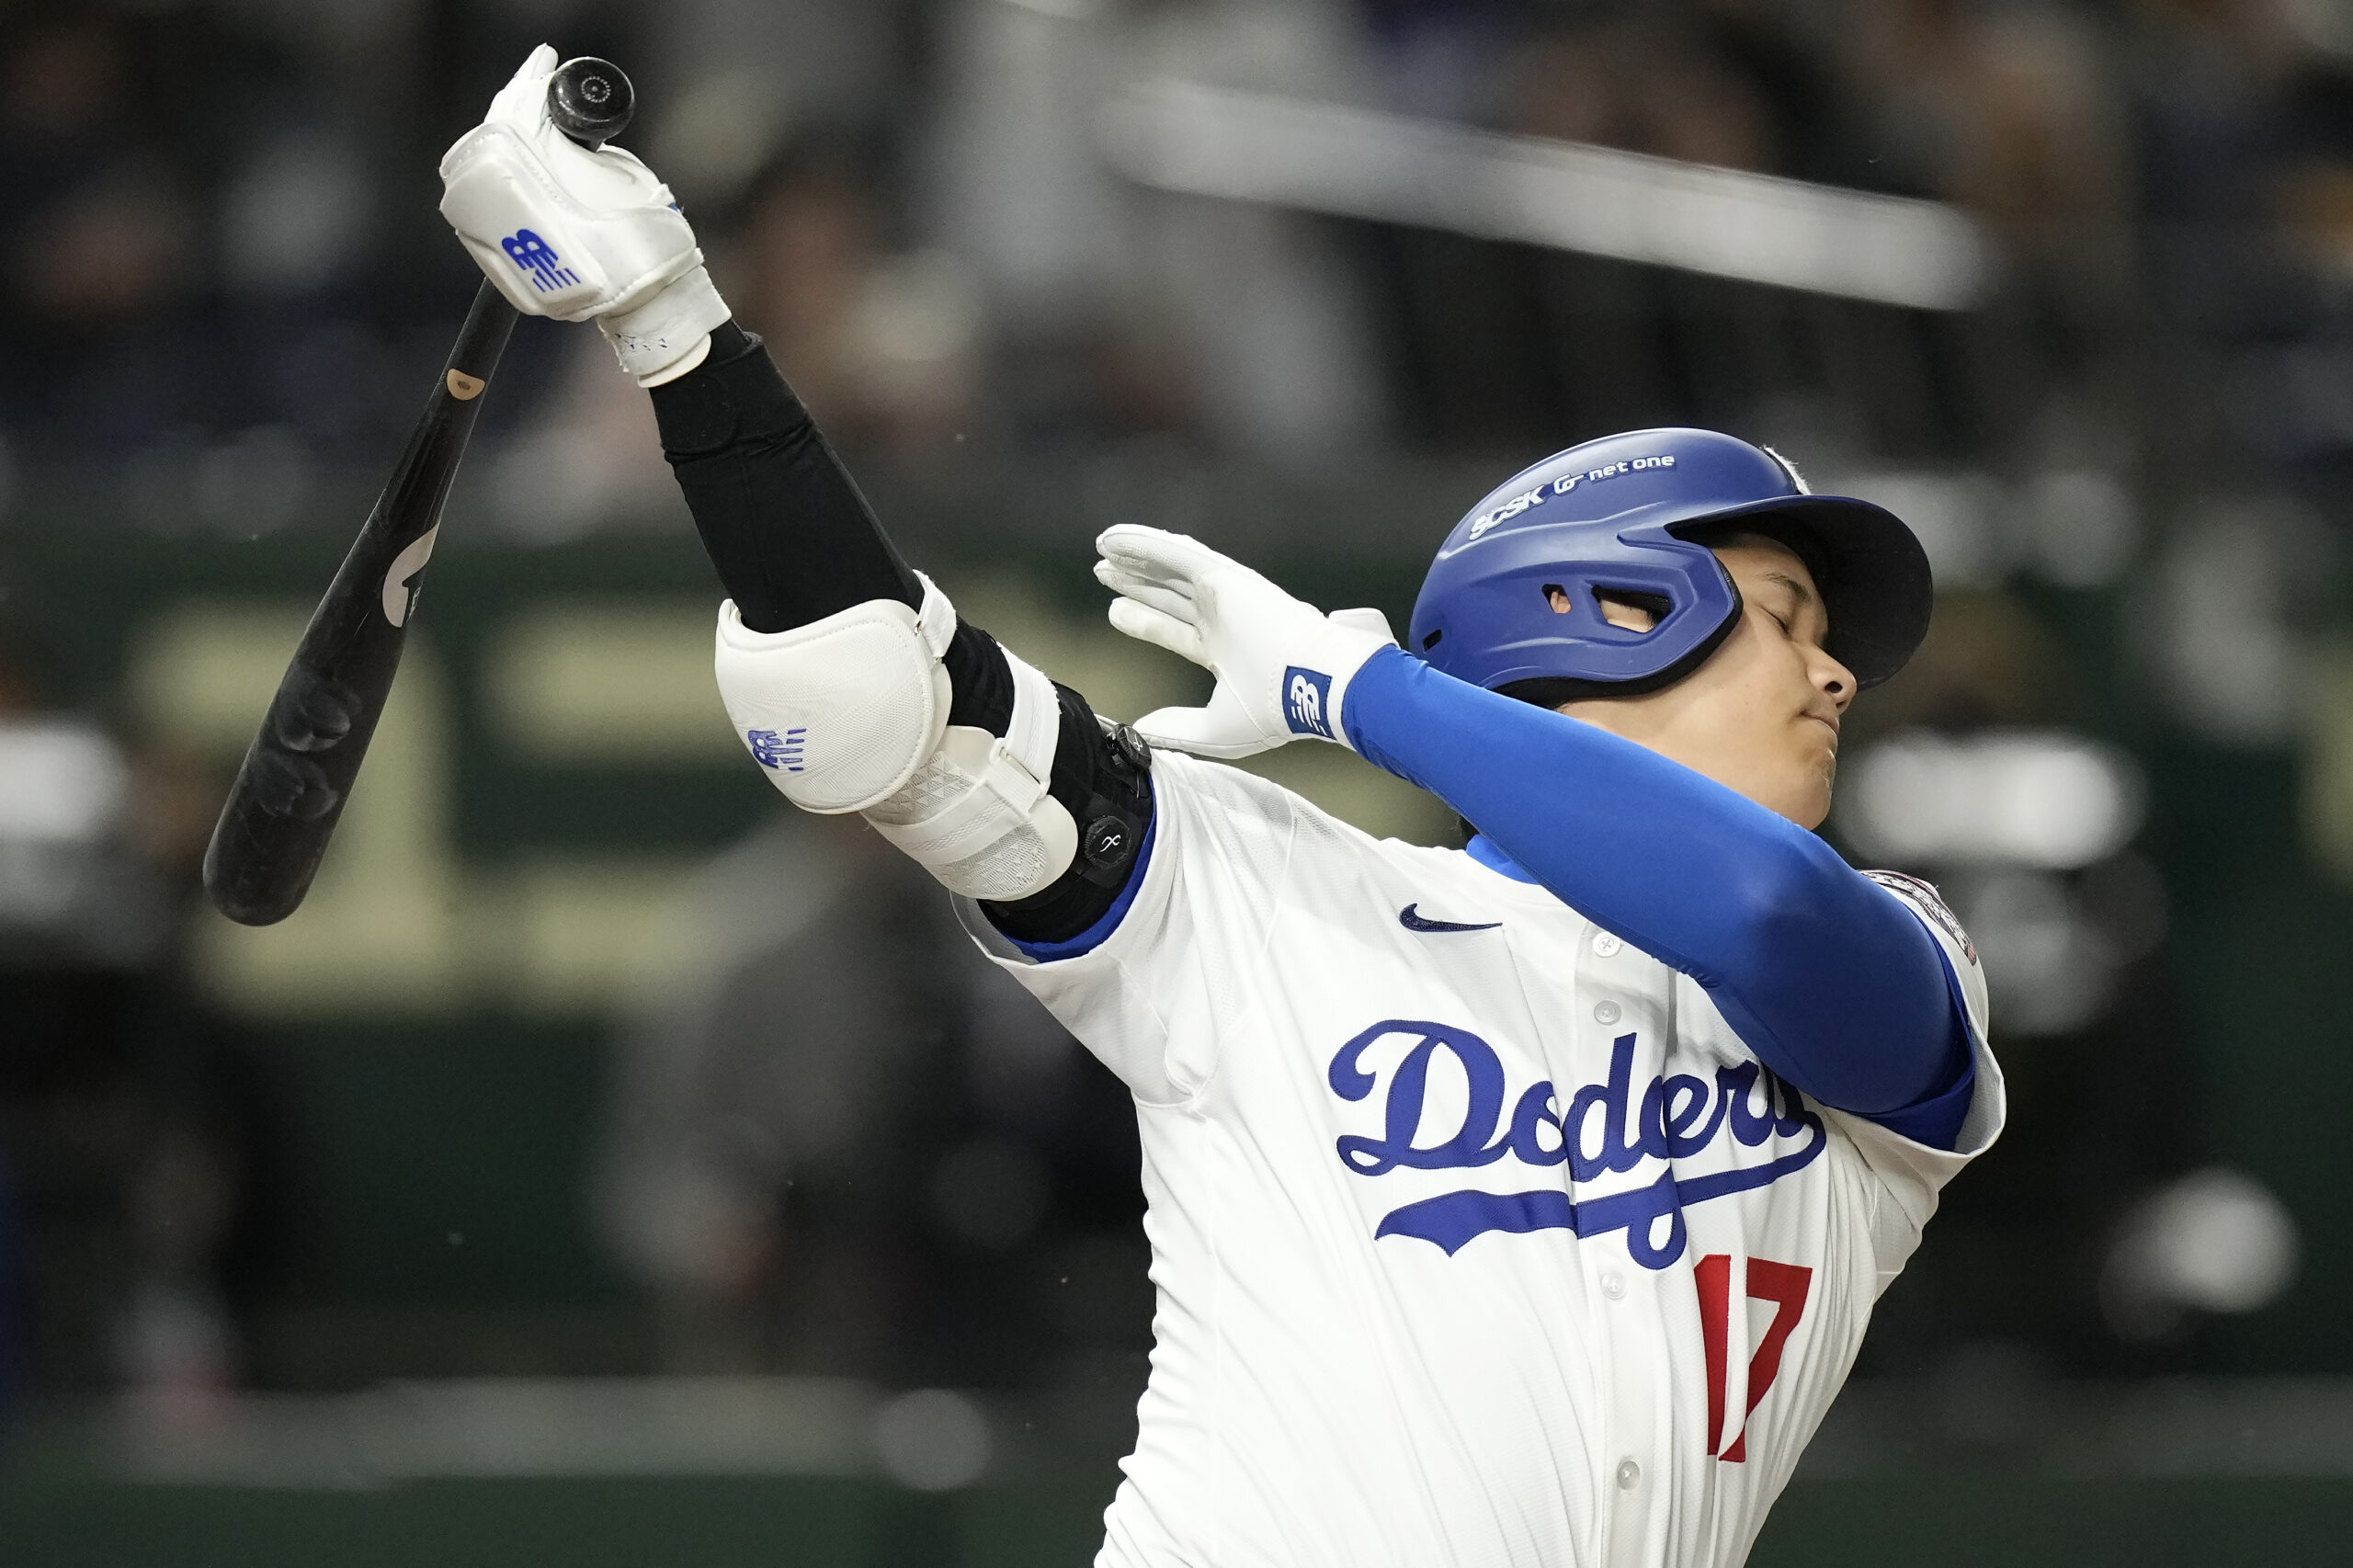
(724, 1471)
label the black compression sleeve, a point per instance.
(793, 539)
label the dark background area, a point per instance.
(506, 1137)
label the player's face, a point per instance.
(1762, 714)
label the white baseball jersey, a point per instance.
(1479, 1237)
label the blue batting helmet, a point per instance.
(1511, 601)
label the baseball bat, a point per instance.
(291, 787)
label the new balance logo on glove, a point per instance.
(537, 258)
(1307, 701)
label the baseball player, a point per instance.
(1521, 1204)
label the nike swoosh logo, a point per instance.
(1411, 918)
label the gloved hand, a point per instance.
(575, 234)
(1282, 665)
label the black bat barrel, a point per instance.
(298, 773)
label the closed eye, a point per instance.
(1799, 595)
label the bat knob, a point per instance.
(590, 101)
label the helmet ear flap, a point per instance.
(1655, 605)
(1552, 608)
(1551, 691)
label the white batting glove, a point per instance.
(1282, 665)
(575, 234)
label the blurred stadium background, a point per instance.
(603, 1167)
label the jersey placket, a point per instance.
(1637, 1473)
(1613, 1000)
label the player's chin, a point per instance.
(1812, 784)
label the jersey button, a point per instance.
(1606, 1013)
(1630, 1475)
(1614, 1286)
(1605, 944)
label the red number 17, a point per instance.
(1784, 1285)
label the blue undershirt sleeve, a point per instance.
(1827, 976)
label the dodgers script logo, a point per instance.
(536, 257)
(1307, 703)
(1605, 1128)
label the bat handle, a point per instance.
(591, 100)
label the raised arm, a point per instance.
(807, 566)
(850, 678)
(1828, 977)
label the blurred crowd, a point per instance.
(225, 284)
(222, 249)
(844, 1144)
(137, 1134)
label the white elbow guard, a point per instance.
(842, 712)
(977, 814)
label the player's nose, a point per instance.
(1833, 680)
